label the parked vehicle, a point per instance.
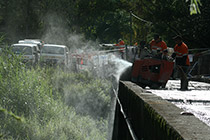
(30, 52)
(38, 42)
(52, 54)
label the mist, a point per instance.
(56, 31)
(101, 65)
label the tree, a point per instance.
(106, 20)
(103, 20)
(170, 18)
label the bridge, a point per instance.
(142, 115)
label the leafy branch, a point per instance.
(194, 7)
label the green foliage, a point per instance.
(106, 20)
(87, 94)
(172, 17)
(39, 103)
(194, 7)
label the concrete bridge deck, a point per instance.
(196, 100)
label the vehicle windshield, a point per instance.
(22, 50)
(52, 50)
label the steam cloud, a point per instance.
(103, 65)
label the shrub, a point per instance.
(87, 94)
(45, 101)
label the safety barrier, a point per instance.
(152, 118)
(88, 60)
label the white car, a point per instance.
(52, 54)
(30, 52)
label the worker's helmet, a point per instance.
(156, 36)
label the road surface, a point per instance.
(196, 100)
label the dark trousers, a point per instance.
(182, 72)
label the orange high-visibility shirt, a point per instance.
(182, 50)
(161, 45)
(121, 45)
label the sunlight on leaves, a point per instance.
(194, 7)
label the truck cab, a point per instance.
(52, 54)
(30, 53)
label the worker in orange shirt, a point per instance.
(135, 44)
(121, 45)
(158, 46)
(182, 60)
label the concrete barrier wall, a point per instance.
(153, 118)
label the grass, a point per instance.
(49, 103)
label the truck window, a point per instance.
(22, 50)
(52, 50)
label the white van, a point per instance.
(52, 54)
(30, 52)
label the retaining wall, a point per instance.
(153, 118)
